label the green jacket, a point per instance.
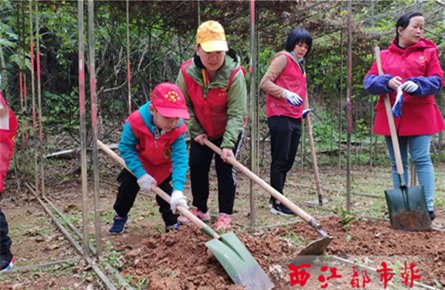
(236, 99)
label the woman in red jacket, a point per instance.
(285, 85)
(412, 75)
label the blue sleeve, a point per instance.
(127, 148)
(377, 85)
(180, 163)
(427, 85)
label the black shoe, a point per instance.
(6, 261)
(432, 215)
(279, 208)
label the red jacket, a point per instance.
(7, 138)
(210, 111)
(420, 115)
(291, 79)
(154, 154)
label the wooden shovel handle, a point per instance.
(392, 126)
(313, 155)
(185, 212)
(272, 191)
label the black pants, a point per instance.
(285, 133)
(127, 195)
(5, 241)
(200, 160)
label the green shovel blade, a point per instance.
(407, 209)
(239, 263)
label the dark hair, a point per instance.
(296, 36)
(404, 21)
(198, 62)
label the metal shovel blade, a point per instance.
(407, 209)
(239, 263)
(311, 251)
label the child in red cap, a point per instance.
(154, 149)
(8, 130)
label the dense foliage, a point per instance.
(162, 35)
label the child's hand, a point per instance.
(227, 153)
(200, 138)
(146, 181)
(178, 198)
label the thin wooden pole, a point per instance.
(199, 12)
(39, 98)
(340, 113)
(372, 97)
(31, 36)
(25, 112)
(253, 113)
(92, 58)
(128, 58)
(440, 108)
(83, 141)
(349, 107)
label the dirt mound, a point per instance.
(180, 260)
(376, 239)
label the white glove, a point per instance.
(146, 181)
(292, 98)
(409, 87)
(178, 198)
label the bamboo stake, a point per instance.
(253, 113)
(92, 58)
(349, 103)
(39, 97)
(128, 59)
(25, 147)
(83, 141)
(36, 168)
(340, 113)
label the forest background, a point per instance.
(161, 37)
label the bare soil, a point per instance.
(180, 260)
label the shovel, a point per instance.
(406, 205)
(315, 248)
(313, 155)
(227, 248)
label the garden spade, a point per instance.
(315, 248)
(227, 248)
(406, 205)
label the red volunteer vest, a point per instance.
(154, 154)
(211, 112)
(420, 115)
(7, 138)
(291, 79)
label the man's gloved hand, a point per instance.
(397, 108)
(146, 181)
(292, 98)
(306, 112)
(178, 198)
(409, 87)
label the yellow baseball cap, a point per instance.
(211, 37)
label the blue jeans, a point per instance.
(419, 149)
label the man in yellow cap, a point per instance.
(213, 84)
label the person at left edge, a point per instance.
(154, 149)
(8, 131)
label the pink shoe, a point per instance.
(223, 222)
(205, 217)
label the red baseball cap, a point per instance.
(169, 101)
